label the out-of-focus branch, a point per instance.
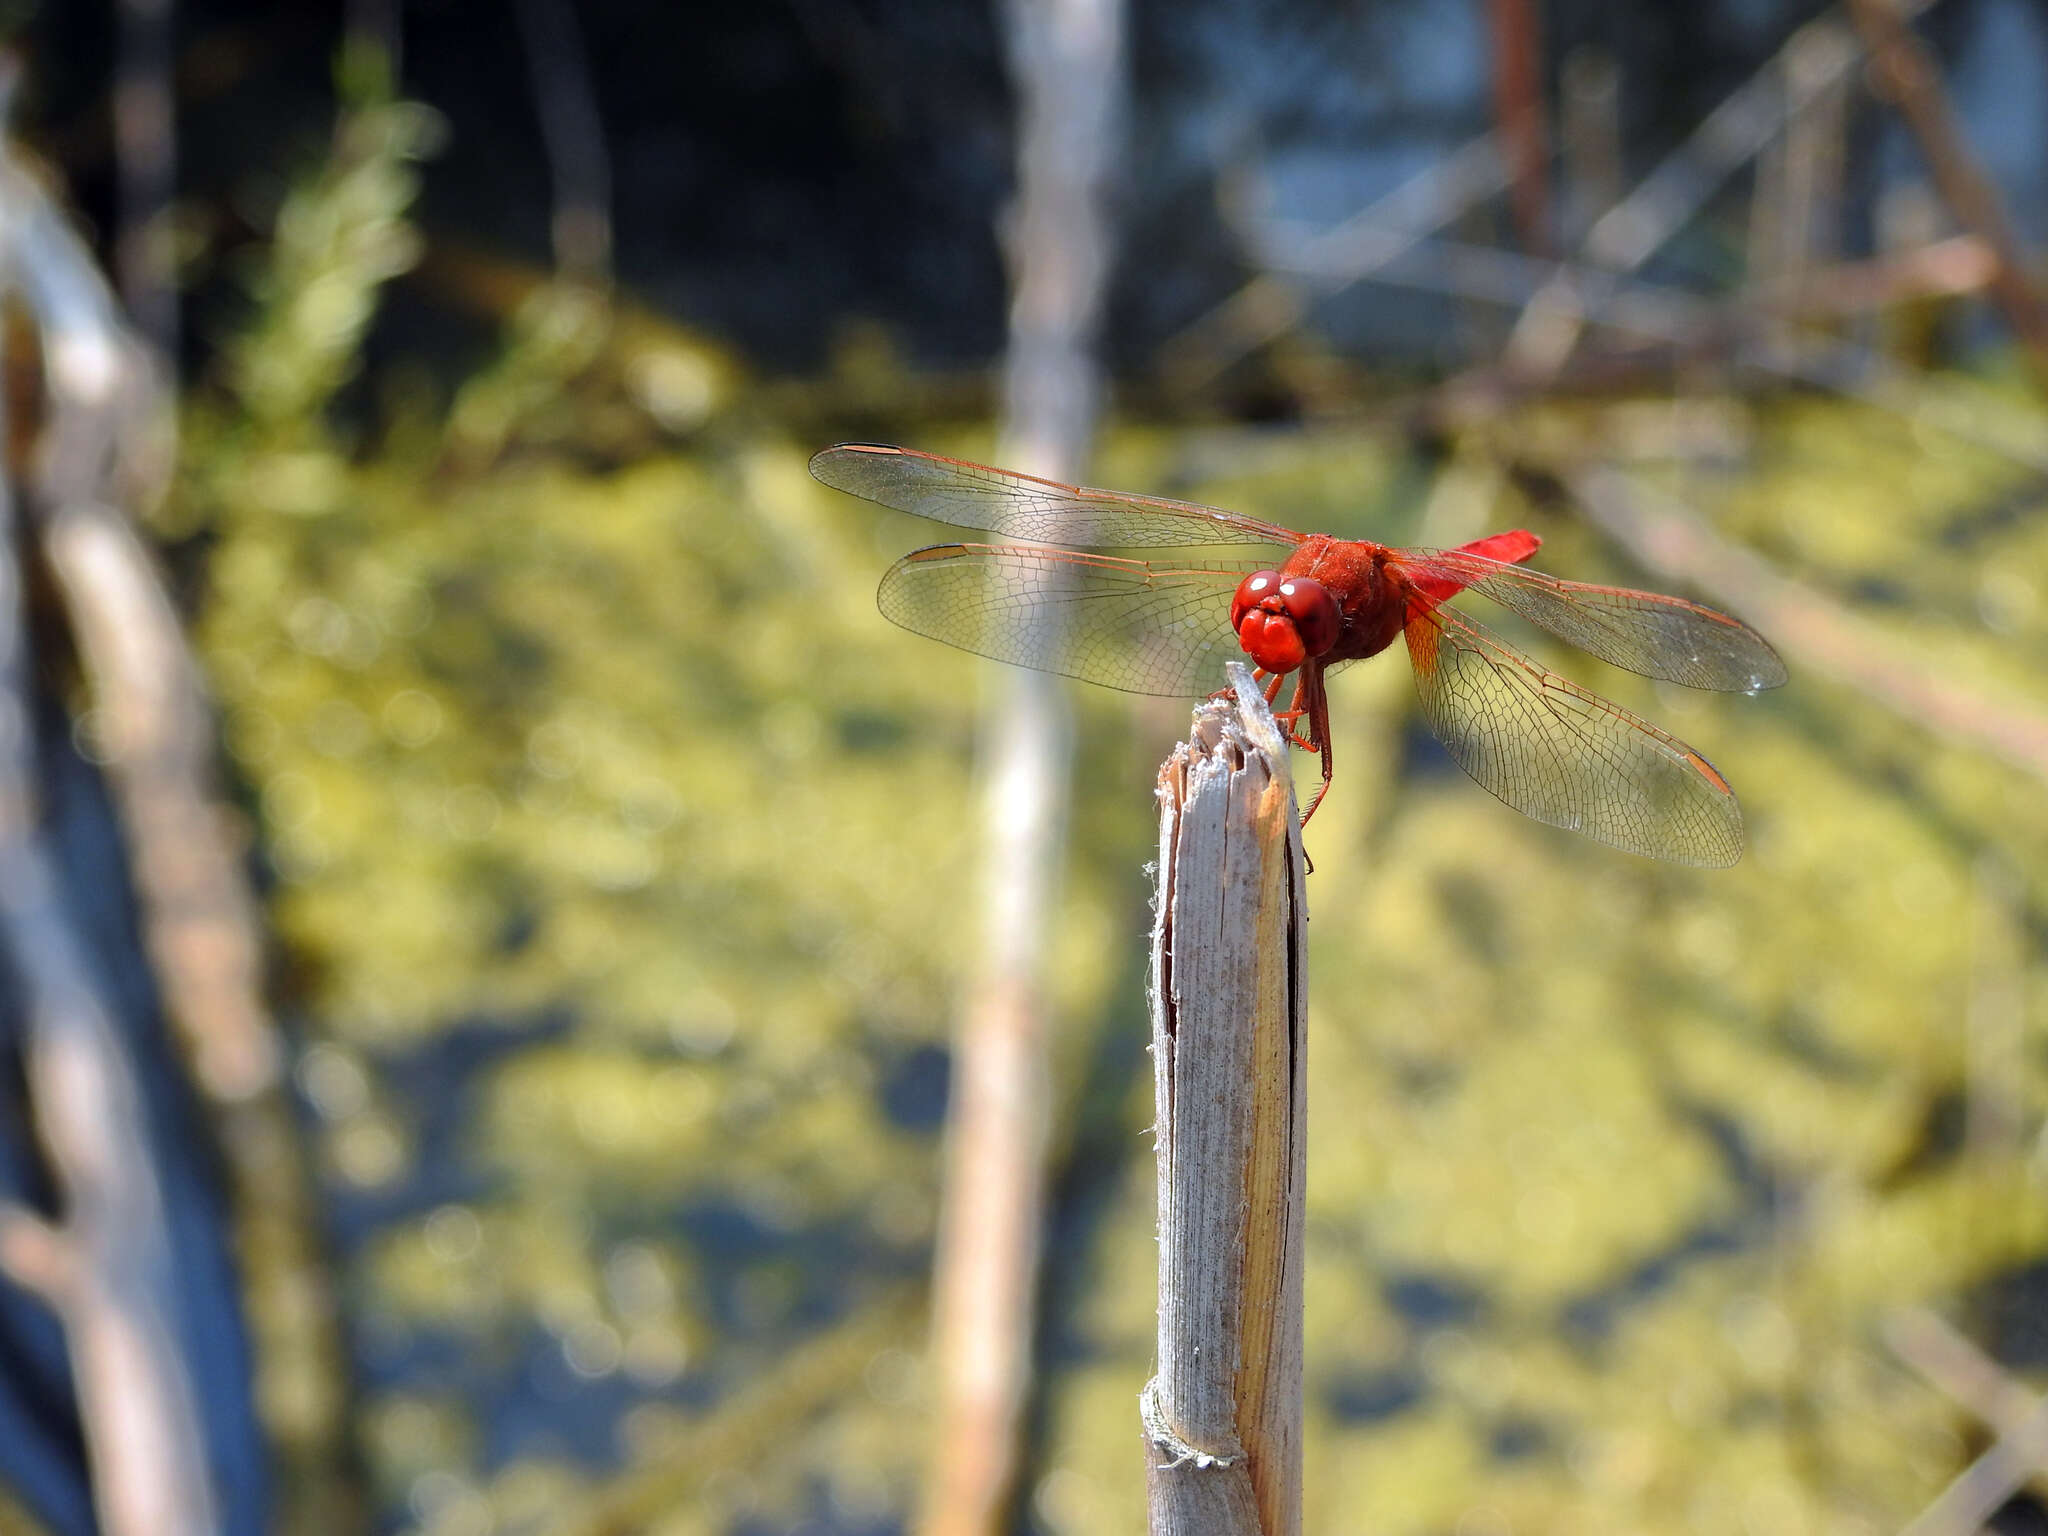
(574, 136)
(105, 419)
(1905, 73)
(1589, 87)
(1559, 300)
(1697, 328)
(1794, 209)
(1387, 239)
(1663, 202)
(1952, 1362)
(1627, 235)
(145, 154)
(114, 1290)
(1926, 1341)
(1272, 304)
(1815, 633)
(105, 443)
(1963, 1507)
(1960, 264)
(1067, 59)
(1518, 115)
(1957, 265)
(36, 1255)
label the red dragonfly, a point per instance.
(1300, 604)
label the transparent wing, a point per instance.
(1129, 624)
(1645, 632)
(1024, 507)
(1565, 756)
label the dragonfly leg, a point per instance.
(1290, 717)
(1285, 718)
(1308, 695)
(1318, 732)
(1269, 682)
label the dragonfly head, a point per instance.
(1282, 621)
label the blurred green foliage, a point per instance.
(622, 853)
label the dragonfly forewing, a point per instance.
(1018, 506)
(1140, 626)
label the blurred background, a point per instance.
(494, 919)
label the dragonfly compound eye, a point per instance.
(1314, 611)
(1253, 592)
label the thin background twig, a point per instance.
(1067, 58)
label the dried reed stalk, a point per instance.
(1222, 1417)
